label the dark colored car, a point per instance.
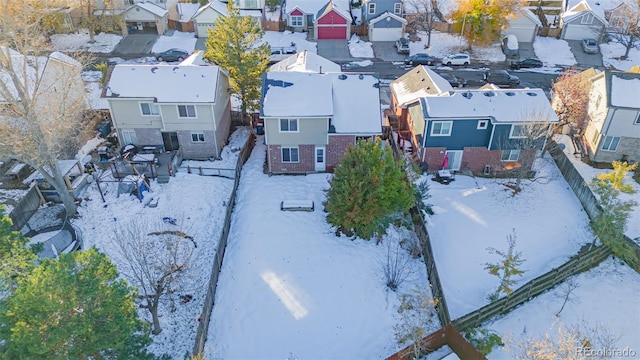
(402, 45)
(454, 80)
(172, 55)
(526, 63)
(420, 59)
(501, 78)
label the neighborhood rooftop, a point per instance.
(166, 83)
(503, 106)
(306, 61)
(313, 6)
(420, 81)
(625, 90)
(351, 100)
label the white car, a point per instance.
(456, 59)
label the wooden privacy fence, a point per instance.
(542, 283)
(205, 316)
(445, 336)
(184, 26)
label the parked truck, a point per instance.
(279, 53)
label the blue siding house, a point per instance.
(485, 131)
(384, 19)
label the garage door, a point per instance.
(576, 32)
(202, 29)
(385, 34)
(523, 34)
(332, 32)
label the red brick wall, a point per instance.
(475, 158)
(336, 148)
(305, 164)
(434, 157)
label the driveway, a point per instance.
(136, 44)
(334, 50)
(386, 51)
(583, 59)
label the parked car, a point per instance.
(526, 63)
(172, 55)
(501, 78)
(510, 46)
(402, 45)
(456, 59)
(590, 46)
(420, 59)
(455, 81)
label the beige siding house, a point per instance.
(613, 128)
(180, 107)
(205, 18)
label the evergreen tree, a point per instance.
(616, 177)
(16, 259)
(234, 44)
(368, 190)
(74, 307)
(509, 266)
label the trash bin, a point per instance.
(104, 128)
(260, 129)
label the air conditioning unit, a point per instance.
(487, 170)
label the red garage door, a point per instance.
(332, 32)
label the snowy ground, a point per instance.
(553, 51)
(290, 287)
(588, 173)
(197, 203)
(274, 38)
(443, 44)
(104, 43)
(606, 295)
(611, 51)
(359, 48)
(474, 214)
(178, 39)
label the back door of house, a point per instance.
(170, 140)
(320, 158)
(455, 159)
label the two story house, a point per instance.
(324, 20)
(311, 118)
(384, 19)
(485, 130)
(178, 107)
(582, 19)
(613, 111)
(206, 16)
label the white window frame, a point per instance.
(433, 127)
(637, 120)
(587, 19)
(511, 136)
(371, 8)
(152, 107)
(290, 161)
(296, 20)
(187, 107)
(129, 137)
(288, 126)
(199, 137)
(483, 124)
(607, 147)
(510, 156)
(251, 4)
(397, 8)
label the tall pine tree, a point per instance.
(16, 259)
(368, 191)
(74, 307)
(235, 45)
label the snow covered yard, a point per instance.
(474, 214)
(197, 204)
(553, 51)
(177, 39)
(611, 51)
(606, 295)
(104, 43)
(290, 287)
(285, 38)
(443, 44)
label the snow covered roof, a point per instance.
(385, 15)
(311, 7)
(166, 83)
(197, 58)
(533, 17)
(503, 106)
(576, 8)
(187, 10)
(150, 7)
(625, 90)
(64, 58)
(221, 8)
(421, 81)
(306, 61)
(332, 6)
(288, 94)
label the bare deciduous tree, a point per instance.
(42, 98)
(156, 261)
(424, 13)
(99, 16)
(570, 98)
(624, 25)
(396, 264)
(417, 320)
(566, 292)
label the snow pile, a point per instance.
(104, 43)
(285, 38)
(179, 40)
(359, 48)
(611, 51)
(553, 51)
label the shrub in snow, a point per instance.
(509, 266)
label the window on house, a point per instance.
(587, 19)
(610, 143)
(149, 109)
(598, 101)
(251, 4)
(483, 124)
(510, 155)
(288, 125)
(296, 21)
(518, 131)
(397, 8)
(596, 137)
(186, 111)
(290, 155)
(441, 128)
(129, 137)
(372, 8)
(197, 137)
(637, 121)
